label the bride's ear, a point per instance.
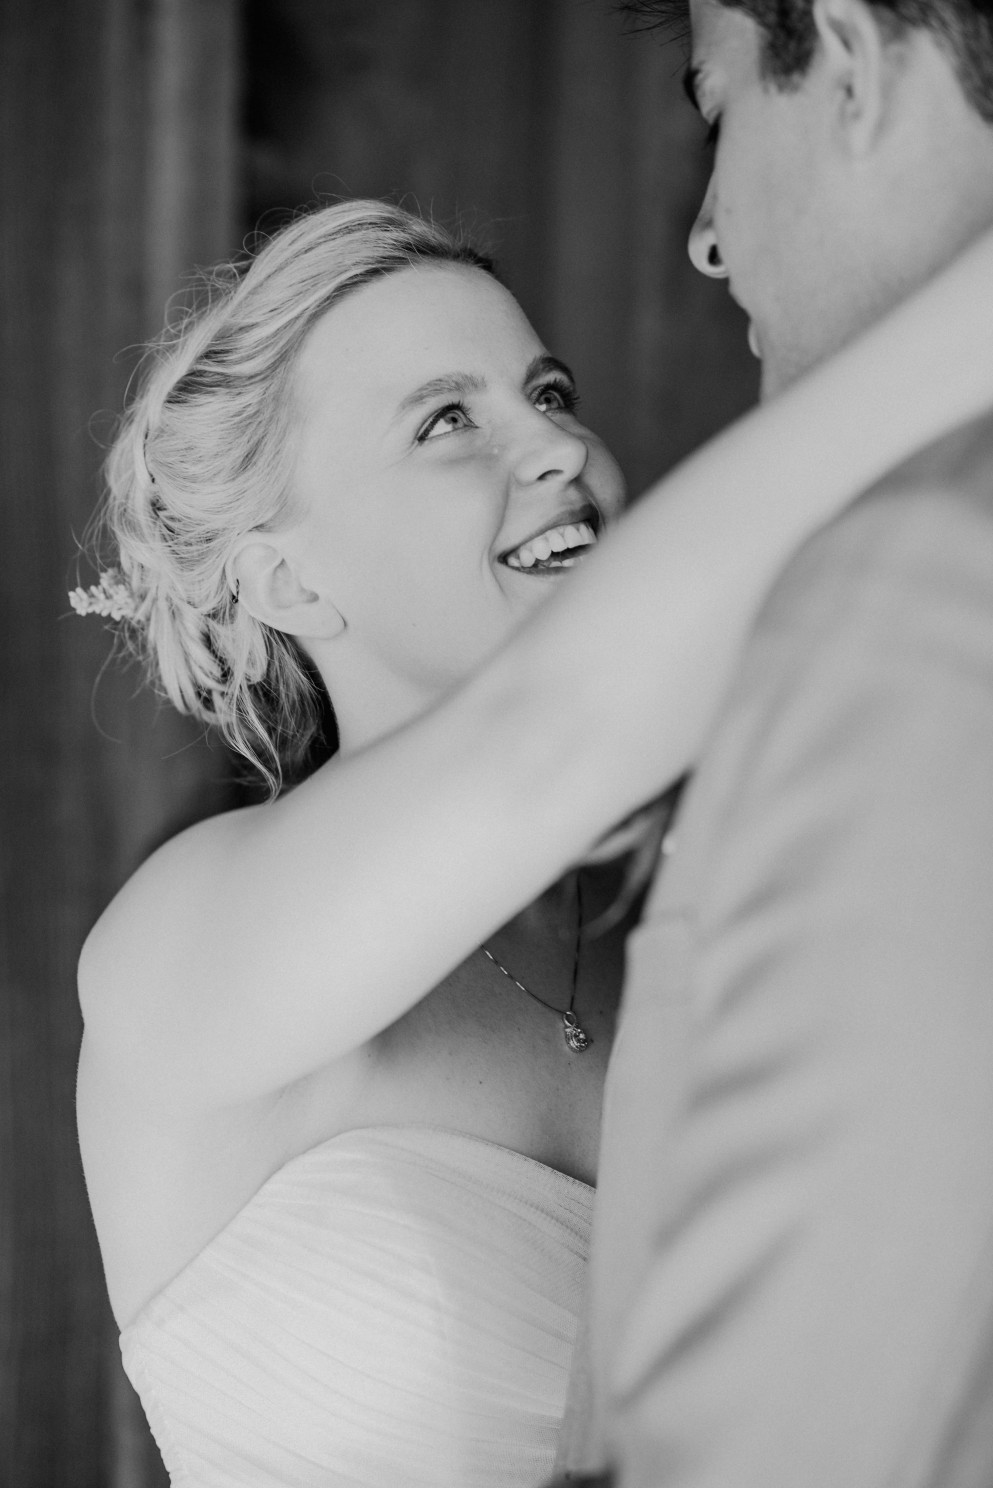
(266, 582)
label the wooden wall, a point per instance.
(118, 169)
(138, 137)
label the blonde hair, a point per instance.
(201, 457)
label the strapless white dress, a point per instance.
(395, 1308)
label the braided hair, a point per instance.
(202, 457)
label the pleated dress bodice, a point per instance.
(395, 1308)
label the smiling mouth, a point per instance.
(556, 547)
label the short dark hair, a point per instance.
(964, 28)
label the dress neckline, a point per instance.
(447, 1131)
(555, 1175)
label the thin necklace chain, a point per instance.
(575, 1036)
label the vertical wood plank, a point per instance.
(117, 169)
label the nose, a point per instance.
(549, 453)
(705, 254)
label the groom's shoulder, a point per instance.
(918, 542)
(959, 463)
(933, 510)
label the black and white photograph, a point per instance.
(496, 956)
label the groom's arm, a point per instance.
(818, 1312)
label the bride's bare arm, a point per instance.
(260, 945)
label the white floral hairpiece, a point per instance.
(111, 597)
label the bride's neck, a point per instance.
(374, 708)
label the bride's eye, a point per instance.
(556, 397)
(447, 420)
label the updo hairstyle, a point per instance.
(202, 457)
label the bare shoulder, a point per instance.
(137, 969)
(175, 1136)
(187, 980)
(154, 906)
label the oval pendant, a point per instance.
(577, 1038)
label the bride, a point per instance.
(340, 1080)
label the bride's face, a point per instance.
(445, 481)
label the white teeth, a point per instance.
(554, 540)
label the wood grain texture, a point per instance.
(118, 170)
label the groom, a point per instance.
(792, 1270)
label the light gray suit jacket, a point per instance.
(792, 1271)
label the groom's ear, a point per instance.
(860, 54)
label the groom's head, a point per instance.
(854, 156)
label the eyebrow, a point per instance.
(691, 86)
(543, 364)
(458, 384)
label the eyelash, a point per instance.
(568, 395)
